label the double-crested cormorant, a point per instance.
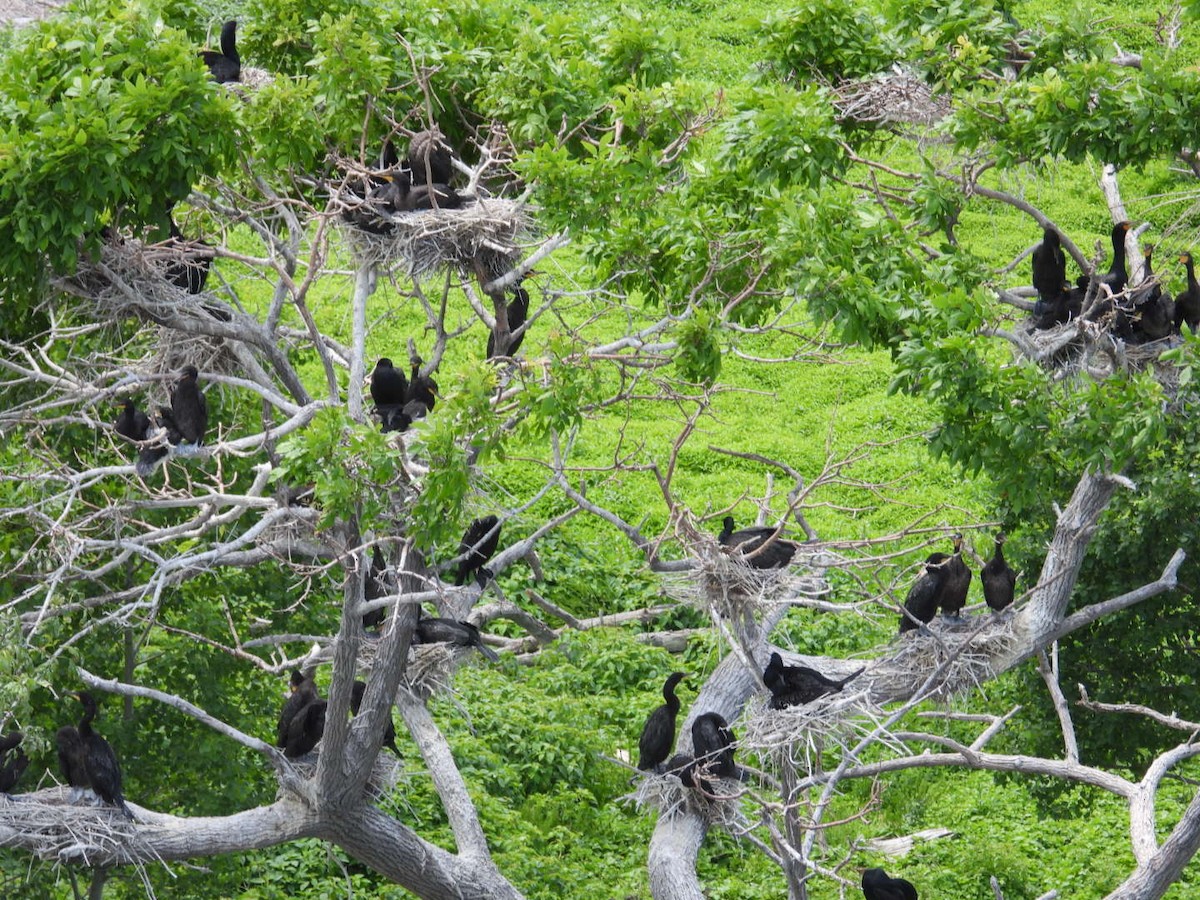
(306, 729)
(1115, 279)
(429, 158)
(682, 766)
(658, 734)
(956, 582)
(518, 311)
(421, 389)
(756, 545)
(1187, 304)
(302, 691)
(389, 732)
(375, 588)
(132, 423)
(797, 685)
(99, 760)
(190, 270)
(389, 392)
(226, 65)
(71, 760)
(921, 604)
(189, 409)
(1153, 307)
(1050, 267)
(999, 581)
(713, 743)
(876, 885)
(13, 761)
(406, 195)
(454, 633)
(478, 544)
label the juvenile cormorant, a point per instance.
(876, 885)
(429, 158)
(682, 766)
(478, 544)
(797, 685)
(189, 409)
(956, 582)
(306, 729)
(713, 743)
(1049, 266)
(756, 546)
(518, 311)
(100, 762)
(921, 603)
(454, 633)
(1187, 304)
(226, 65)
(132, 423)
(375, 588)
(302, 691)
(71, 760)
(190, 271)
(389, 731)
(1115, 279)
(1153, 306)
(406, 196)
(13, 761)
(999, 581)
(389, 387)
(658, 734)
(421, 389)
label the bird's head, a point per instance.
(189, 373)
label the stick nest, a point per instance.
(47, 825)
(963, 651)
(671, 797)
(835, 720)
(900, 96)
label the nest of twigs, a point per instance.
(900, 96)
(386, 771)
(960, 654)
(835, 720)
(717, 803)
(485, 236)
(52, 828)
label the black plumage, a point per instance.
(422, 389)
(389, 392)
(999, 581)
(189, 409)
(13, 761)
(797, 685)
(1187, 304)
(132, 424)
(1049, 266)
(189, 270)
(1115, 279)
(389, 731)
(406, 195)
(478, 544)
(713, 743)
(658, 733)
(376, 587)
(100, 762)
(226, 65)
(956, 582)
(759, 546)
(921, 604)
(302, 691)
(1153, 307)
(452, 632)
(518, 312)
(306, 729)
(876, 885)
(429, 158)
(683, 767)
(71, 760)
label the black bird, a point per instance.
(921, 603)
(478, 544)
(999, 581)
(454, 633)
(132, 423)
(389, 731)
(189, 271)
(13, 761)
(1187, 304)
(301, 691)
(100, 762)
(876, 885)
(1154, 308)
(375, 588)
(797, 685)
(956, 582)
(658, 734)
(756, 545)
(684, 767)
(389, 392)
(1049, 266)
(306, 729)
(189, 409)
(518, 311)
(71, 760)
(226, 65)
(713, 743)
(421, 389)
(1116, 278)
(429, 158)
(405, 196)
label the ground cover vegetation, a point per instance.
(777, 267)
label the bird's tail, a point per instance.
(849, 678)
(148, 460)
(125, 809)
(487, 651)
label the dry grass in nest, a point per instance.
(54, 829)
(964, 652)
(484, 235)
(837, 720)
(670, 797)
(900, 96)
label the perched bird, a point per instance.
(226, 65)
(518, 311)
(389, 731)
(99, 760)
(132, 424)
(429, 158)
(1187, 304)
(301, 692)
(658, 734)
(1115, 279)
(713, 744)
(1153, 307)
(876, 885)
(376, 587)
(478, 544)
(921, 604)
(190, 270)
(71, 760)
(421, 389)
(189, 409)
(684, 767)
(956, 582)
(389, 387)
(306, 729)
(758, 545)
(797, 685)
(999, 581)
(13, 761)
(407, 195)
(1050, 269)
(454, 633)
